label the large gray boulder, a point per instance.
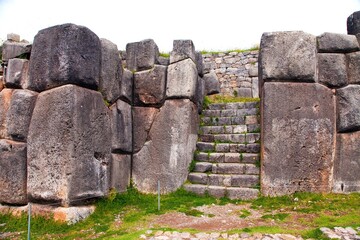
(298, 138)
(149, 86)
(65, 54)
(182, 49)
(287, 56)
(19, 114)
(5, 99)
(347, 163)
(13, 172)
(169, 149)
(348, 111)
(199, 63)
(353, 70)
(126, 86)
(120, 172)
(121, 127)
(337, 43)
(353, 23)
(181, 79)
(111, 71)
(143, 118)
(11, 49)
(332, 69)
(141, 55)
(69, 146)
(17, 73)
(212, 84)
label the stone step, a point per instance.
(230, 112)
(218, 192)
(228, 147)
(231, 138)
(227, 157)
(226, 168)
(230, 129)
(236, 105)
(225, 180)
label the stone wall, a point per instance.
(310, 112)
(75, 123)
(237, 72)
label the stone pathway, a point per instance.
(336, 233)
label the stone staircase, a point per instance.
(227, 156)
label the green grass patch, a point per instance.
(278, 216)
(245, 213)
(166, 55)
(227, 99)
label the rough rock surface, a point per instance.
(13, 172)
(143, 118)
(120, 172)
(348, 111)
(332, 69)
(297, 142)
(149, 86)
(353, 23)
(65, 54)
(167, 154)
(69, 146)
(212, 85)
(288, 56)
(337, 43)
(111, 71)
(19, 114)
(121, 127)
(347, 163)
(126, 88)
(181, 79)
(17, 73)
(141, 55)
(182, 49)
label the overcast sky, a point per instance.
(211, 24)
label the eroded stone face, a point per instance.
(69, 146)
(17, 73)
(347, 163)
(65, 54)
(13, 172)
(182, 49)
(337, 43)
(121, 127)
(168, 151)
(332, 69)
(141, 55)
(353, 23)
(298, 137)
(120, 172)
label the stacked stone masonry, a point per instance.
(227, 159)
(237, 72)
(310, 113)
(75, 123)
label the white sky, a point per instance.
(211, 24)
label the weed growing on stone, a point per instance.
(245, 213)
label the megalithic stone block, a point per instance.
(199, 63)
(13, 172)
(17, 73)
(69, 146)
(65, 54)
(120, 172)
(167, 154)
(149, 86)
(353, 71)
(181, 80)
(332, 69)
(337, 43)
(200, 94)
(298, 129)
(348, 111)
(212, 84)
(353, 23)
(288, 56)
(121, 127)
(11, 49)
(126, 86)
(19, 114)
(111, 71)
(141, 55)
(143, 118)
(182, 49)
(5, 99)
(347, 163)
